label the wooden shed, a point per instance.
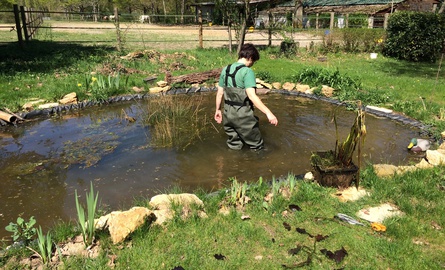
(371, 8)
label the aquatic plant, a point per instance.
(343, 152)
(86, 221)
(176, 121)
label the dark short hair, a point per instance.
(249, 51)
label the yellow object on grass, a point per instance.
(378, 227)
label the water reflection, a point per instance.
(39, 171)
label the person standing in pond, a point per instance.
(237, 85)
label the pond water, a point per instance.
(44, 161)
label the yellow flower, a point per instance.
(380, 40)
(79, 84)
(94, 79)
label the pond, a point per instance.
(43, 161)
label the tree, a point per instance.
(229, 11)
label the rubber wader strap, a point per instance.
(232, 75)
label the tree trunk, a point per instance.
(244, 24)
(229, 27)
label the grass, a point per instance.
(269, 239)
(48, 70)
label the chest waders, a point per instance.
(240, 124)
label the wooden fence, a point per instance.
(27, 21)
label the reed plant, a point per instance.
(175, 121)
(45, 245)
(86, 220)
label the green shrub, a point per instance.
(322, 76)
(362, 40)
(415, 36)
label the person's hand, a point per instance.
(218, 116)
(272, 119)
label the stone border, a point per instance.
(380, 113)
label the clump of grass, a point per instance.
(45, 245)
(175, 121)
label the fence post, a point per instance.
(24, 22)
(200, 28)
(17, 25)
(331, 23)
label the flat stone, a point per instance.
(384, 110)
(48, 105)
(379, 213)
(351, 194)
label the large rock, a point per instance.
(120, 224)
(162, 205)
(164, 201)
(288, 86)
(435, 157)
(327, 91)
(276, 85)
(302, 87)
(384, 170)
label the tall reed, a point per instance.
(176, 121)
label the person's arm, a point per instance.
(260, 106)
(219, 96)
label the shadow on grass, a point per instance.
(410, 69)
(43, 57)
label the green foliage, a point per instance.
(323, 76)
(45, 245)
(22, 230)
(102, 87)
(362, 40)
(289, 48)
(265, 76)
(415, 36)
(86, 220)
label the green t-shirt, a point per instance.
(245, 77)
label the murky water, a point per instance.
(39, 173)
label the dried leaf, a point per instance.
(294, 251)
(178, 268)
(303, 231)
(286, 226)
(337, 256)
(319, 237)
(219, 257)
